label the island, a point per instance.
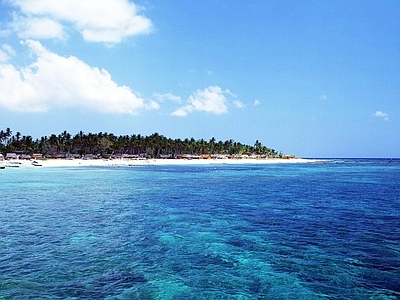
(107, 149)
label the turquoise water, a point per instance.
(301, 231)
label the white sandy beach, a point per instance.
(146, 162)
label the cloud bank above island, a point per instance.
(51, 81)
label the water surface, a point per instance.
(301, 231)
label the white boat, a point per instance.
(36, 163)
(13, 164)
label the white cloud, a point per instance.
(152, 105)
(5, 52)
(37, 28)
(380, 114)
(323, 97)
(180, 112)
(167, 97)
(106, 21)
(256, 102)
(239, 104)
(9, 49)
(3, 56)
(5, 32)
(211, 99)
(53, 81)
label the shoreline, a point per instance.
(59, 163)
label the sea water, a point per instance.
(277, 231)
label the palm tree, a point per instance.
(27, 144)
(43, 145)
(212, 145)
(104, 143)
(2, 138)
(53, 141)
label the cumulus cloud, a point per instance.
(380, 114)
(106, 21)
(54, 81)
(212, 100)
(256, 102)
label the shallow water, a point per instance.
(301, 231)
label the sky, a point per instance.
(309, 78)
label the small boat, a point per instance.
(2, 167)
(36, 164)
(13, 164)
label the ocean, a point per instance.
(276, 231)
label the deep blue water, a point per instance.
(301, 231)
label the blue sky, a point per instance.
(310, 78)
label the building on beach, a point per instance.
(11, 156)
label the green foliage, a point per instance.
(105, 144)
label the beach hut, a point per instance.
(11, 156)
(37, 156)
(25, 156)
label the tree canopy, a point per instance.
(103, 144)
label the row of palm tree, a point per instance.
(103, 143)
